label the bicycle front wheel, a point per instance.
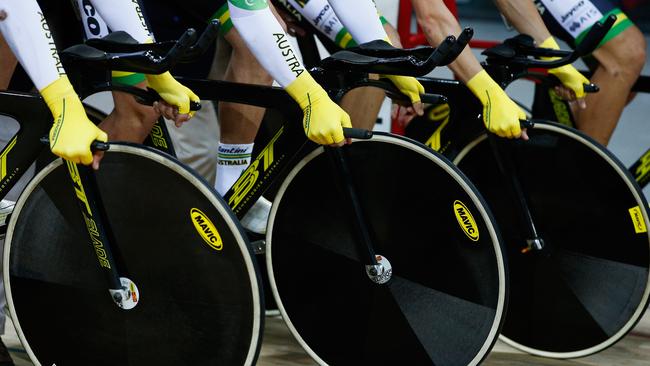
(443, 304)
(196, 303)
(589, 285)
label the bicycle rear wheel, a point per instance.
(589, 286)
(444, 302)
(198, 304)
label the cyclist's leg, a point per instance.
(621, 56)
(620, 62)
(129, 121)
(238, 122)
(8, 63)
(363, 104)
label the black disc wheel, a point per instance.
(444, 298)
(197, 299)
(588, 286)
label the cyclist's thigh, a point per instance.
(570, 20)
(625, 53)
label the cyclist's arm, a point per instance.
(523, 15)
(27, 33)
(500, 114)
(261, 31)
(361, 19)
(126, 15)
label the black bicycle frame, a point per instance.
(35, 119)
(286, 144)
(548, 105)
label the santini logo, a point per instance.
(465, 220)
(206, 229)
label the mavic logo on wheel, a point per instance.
(206, 229)
(637, 220)
(466, 220)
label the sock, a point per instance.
(232, 161)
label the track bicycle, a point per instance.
(141, 293)
(429, 288)
(573, 218)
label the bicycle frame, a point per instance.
(34, 118)
(548, 105)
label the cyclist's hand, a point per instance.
(323, 119)
(572, 80)
(72, 132)
(176, 96)
(410, 87)
(500, 114)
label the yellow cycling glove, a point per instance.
(173, 92)
(500, 114)
(568, 75)
(323, 119)
(409, 86)
(72, 132)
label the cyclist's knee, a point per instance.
(624, 56)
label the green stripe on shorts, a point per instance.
(130, 80)
(223, 15)
(622, 23)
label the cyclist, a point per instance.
(617, 63)
(257, 37)
(500, 112)
(27, 32)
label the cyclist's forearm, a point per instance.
(361, 19)
(321, 15)
(27, 34)
(523, 15)
(266, 39)
(125, 15)
(438, 22)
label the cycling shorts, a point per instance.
(571, 20)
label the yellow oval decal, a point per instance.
(466, 220)
(206, 229)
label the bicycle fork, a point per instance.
(509, 173)
(123, 291)
(377, 267)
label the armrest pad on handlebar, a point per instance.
(383, 49)
(82, 52)
(398, 62)
(122, 42)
